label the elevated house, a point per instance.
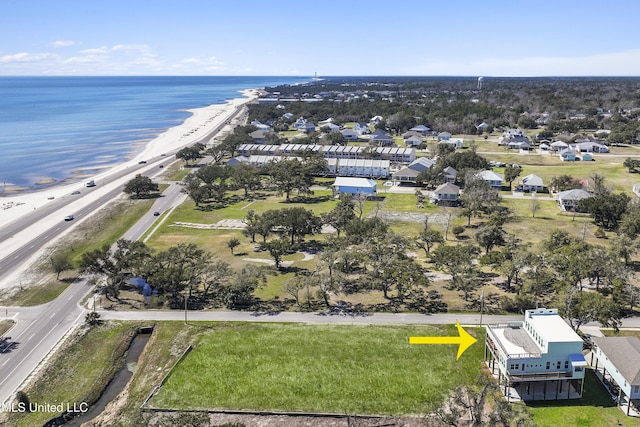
(617, 364)
(410, 172)
(381, 138)
(450, 174)
(539, 358)
(493, 178)
(446, 195)
(531, 183)
(569, 200)
(361, 128)
(349, 134)
(421, 129)
(413, 141)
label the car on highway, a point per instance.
(75, 193)
(161, 166)
(68, 218)
(156, 213)
(142, 162)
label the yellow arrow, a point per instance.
(464, 340)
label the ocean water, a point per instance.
(58, 127)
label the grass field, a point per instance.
(595, 409)
(318, 368)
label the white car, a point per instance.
(68, 218)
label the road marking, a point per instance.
(32, 335)
(51, 317)
(5, 362)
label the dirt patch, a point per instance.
(253, 420)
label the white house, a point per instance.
(493, 178)
(361, 128)
(532, 183)
(349, 135)
(619, 358)
(558, 146)
(446, 195)
(539, 358)
(569, 200)
(588, 146)
(351, 185)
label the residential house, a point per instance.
(569, 200)
(410, 173)
(363, 167)
(349, 134)
(355, 186)
(413, 141)
(568, 155)
(381, 138)
(330, 127)
(588, 146)
(450, 174)
(493, 178)
(259, 136)
(375, 120)
(558, 146)
(408, 134)
(326, 122)
(587, 157)
(482, 126)
(539, 358)
(519, 144)
(304, 125)
(446, 195)
(455, 142)
(260, 126)
(362, 128)
(444, 136)
(421, 129)
(532, 183)
(235, 161)
(287, 116)
(619, 359)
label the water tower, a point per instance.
(480, 80)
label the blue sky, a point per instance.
(347, 37)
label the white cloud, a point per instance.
(26, 57)
(61, 43)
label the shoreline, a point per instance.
(16, 201)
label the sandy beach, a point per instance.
(199, 126)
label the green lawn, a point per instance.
(595, 409)
(341, 369)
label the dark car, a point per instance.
(75, 193)
(142, 162)
(156, 213)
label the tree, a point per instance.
(60, 262)
(188, 153)
(247, 177)
(215, 276)
(196, 189)
(630, 221)
(238, 293)
(233, 243)
(563, 183)
(631, 164)
(489, 236)
(534, 206)
(478, 197)
(179, 267)
(458, 262)
(607, 209)
(583, 307)
(428, 238)
(141, 186)
(296, 222)
(511, 173)
(277, 249)
(341, 214)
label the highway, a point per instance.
(38, 330)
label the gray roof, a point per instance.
(624, 353)
(447, 188)
(577, 194)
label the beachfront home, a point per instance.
(539, 358)
(354, 186)
(569, 200)
(617, 364)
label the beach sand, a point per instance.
(15, 203)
